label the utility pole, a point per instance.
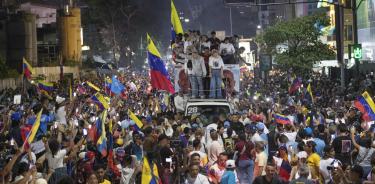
(339, 27)
(355, 32)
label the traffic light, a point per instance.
(357, 51)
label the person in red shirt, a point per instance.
(245, 158)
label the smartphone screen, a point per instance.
(84, 132)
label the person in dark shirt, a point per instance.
(236, 125)
(270, 177)
(342, 145)
(215, 42)
(15, 131)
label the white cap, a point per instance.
(302, 154)
(230, 164)
(59, 99)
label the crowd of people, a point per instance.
(273, 136)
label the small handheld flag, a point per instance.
(137, 122)
(281, 119)
(27, 69)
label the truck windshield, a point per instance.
(207, 112)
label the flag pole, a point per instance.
(23, 77)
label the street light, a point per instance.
(187, 20)
(259, 27)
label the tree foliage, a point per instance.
(301, 38)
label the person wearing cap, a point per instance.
(229, 176)
(60, 110)
(313, 159)
(15, 129)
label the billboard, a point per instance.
(231, 74)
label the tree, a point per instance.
(301, 39)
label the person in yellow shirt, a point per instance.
(313, 159)
(100, 170)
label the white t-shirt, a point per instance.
(61, 115)
(291, 136)
(323, 168)
(228, 47)
(216, 62)
(56, 161)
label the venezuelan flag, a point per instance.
(137, 122)
(45, 86)
(30, 138)
(102, 141)
(93, 86)
(366, 105)
(175, 21)
(281, 119)
(27, 69)
(296, 84)
(149, 176)
(100, 101)
(159, 75)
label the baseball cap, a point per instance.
(226, 124)
(308, 131)
(230, 164)
(260, 126)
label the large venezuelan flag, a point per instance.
(175, 21)
(366, 105)
(159, 75)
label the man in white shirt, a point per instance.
(194, 177)
(196, 69)
(216, 68)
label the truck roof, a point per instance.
(207, 100)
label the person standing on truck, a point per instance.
(216, 65)
(196, 69)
